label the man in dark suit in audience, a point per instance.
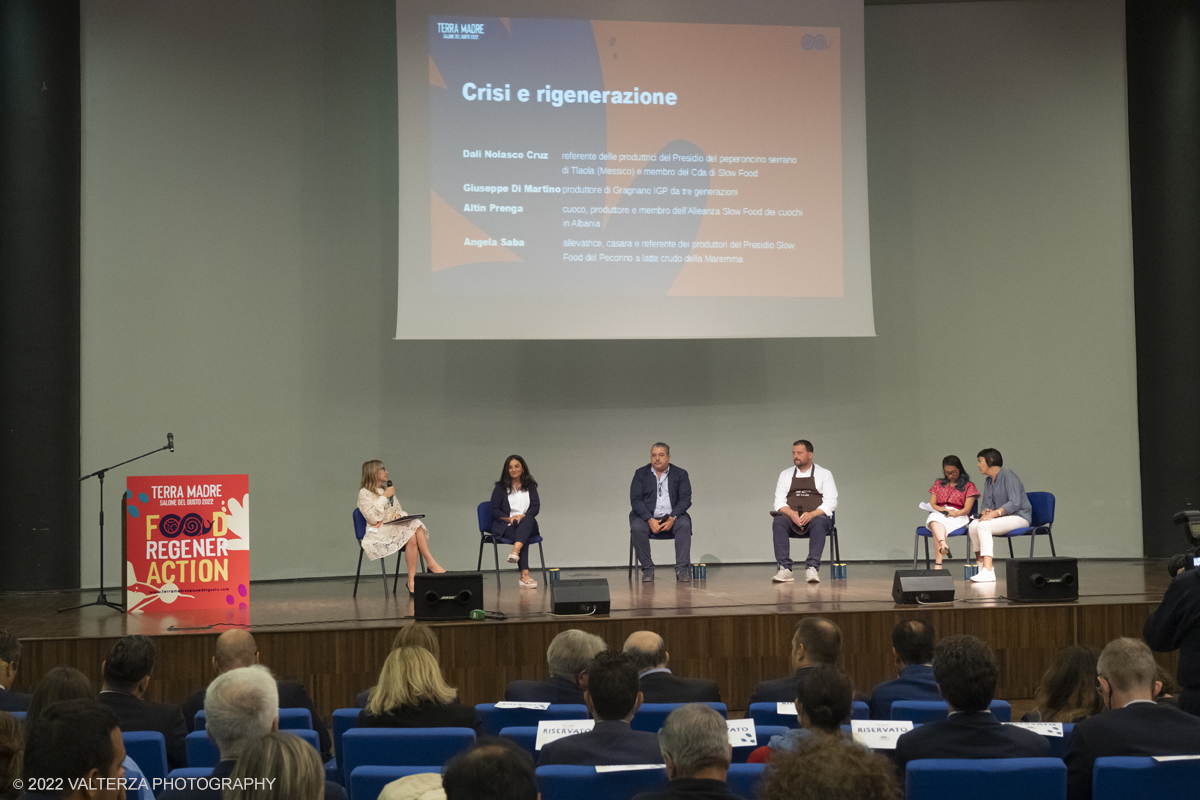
(816, 641)
(126, 678)
(10, 658)
(966, 674)
(912, 650)
(568, 656)
(491, 768)
(612, 697)
(236, 648)
(1134, 725)
(695, 746)
(75, 745)
(649, 655)
(240, 707)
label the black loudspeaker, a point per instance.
(923, 586)
(580, 596)
(449, 595)
(1043, 580)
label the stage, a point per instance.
(734, 627)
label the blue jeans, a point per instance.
(817, 529)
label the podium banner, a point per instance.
(187, 540)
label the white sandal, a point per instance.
(513, 557)
(527, 584)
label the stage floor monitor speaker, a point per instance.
(580, 596)
(1043, 580)
(923, 586)
(448, 595)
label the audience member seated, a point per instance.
(829, 768)
(695, 747)
(612, 697)
(241, 706)
(568, 655)
(68, 683)
(912, 653)
(649, 655)
(289, 766)
(11, 745)
(76, 744)
(126, 677)
(492, 769)
(416, 635)
(422, 786)
(816, 641)
(824, 695)
(1134, 725)
(236, 648)
(966, 673)
(10, 658)
(1067, 692)
(1166, 690)
(412, 694)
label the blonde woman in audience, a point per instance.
(289, 765)
(412, 694)
(378, 504)
(415, 635)
(1068, 689)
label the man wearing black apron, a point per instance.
(805, 498)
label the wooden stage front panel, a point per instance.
(735, 628)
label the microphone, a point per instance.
(392, 499)
(171, 442)
(479, 614)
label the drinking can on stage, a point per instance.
(699, 572)
(839, 570)
(554, 575)
(970, 571)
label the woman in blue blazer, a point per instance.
(515, 506)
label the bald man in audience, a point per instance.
(649, 654)
(236, 648)
(816, 641)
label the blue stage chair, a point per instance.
(987, 779)
(651, 716)
(360, 530)
(149, 750)
(560, 782)
(1124, 777)
(743, 779)
(831, 542)
(484, 512)
(367, 782)
(290, 719)
(523, 737)
(927, 535)
(201, 752)
(763, 734)
(1043, 520)
(921, 711)
(495, 719)
(343, 720)
(401, 747)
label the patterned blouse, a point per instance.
(947, 495)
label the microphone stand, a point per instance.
(102, 599)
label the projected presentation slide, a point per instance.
(576, 158)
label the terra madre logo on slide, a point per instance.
(460, 30)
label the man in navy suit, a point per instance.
(912, 649)
(568, 655)
(10, 658)
(126, 673)
(1134, 725)
(660, 496)
(816, 641)
(658, 685)
(612, 697)
(966, 673)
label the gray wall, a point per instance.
(239, 279)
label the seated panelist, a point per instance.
(952, 497)
(515, 506)
(660, 496)
(378, 504)
(805, 499)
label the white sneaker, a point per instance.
(784, 576)
(984, 576)
(811, 575)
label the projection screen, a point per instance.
(617, 179)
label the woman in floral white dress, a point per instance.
(377, 502)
